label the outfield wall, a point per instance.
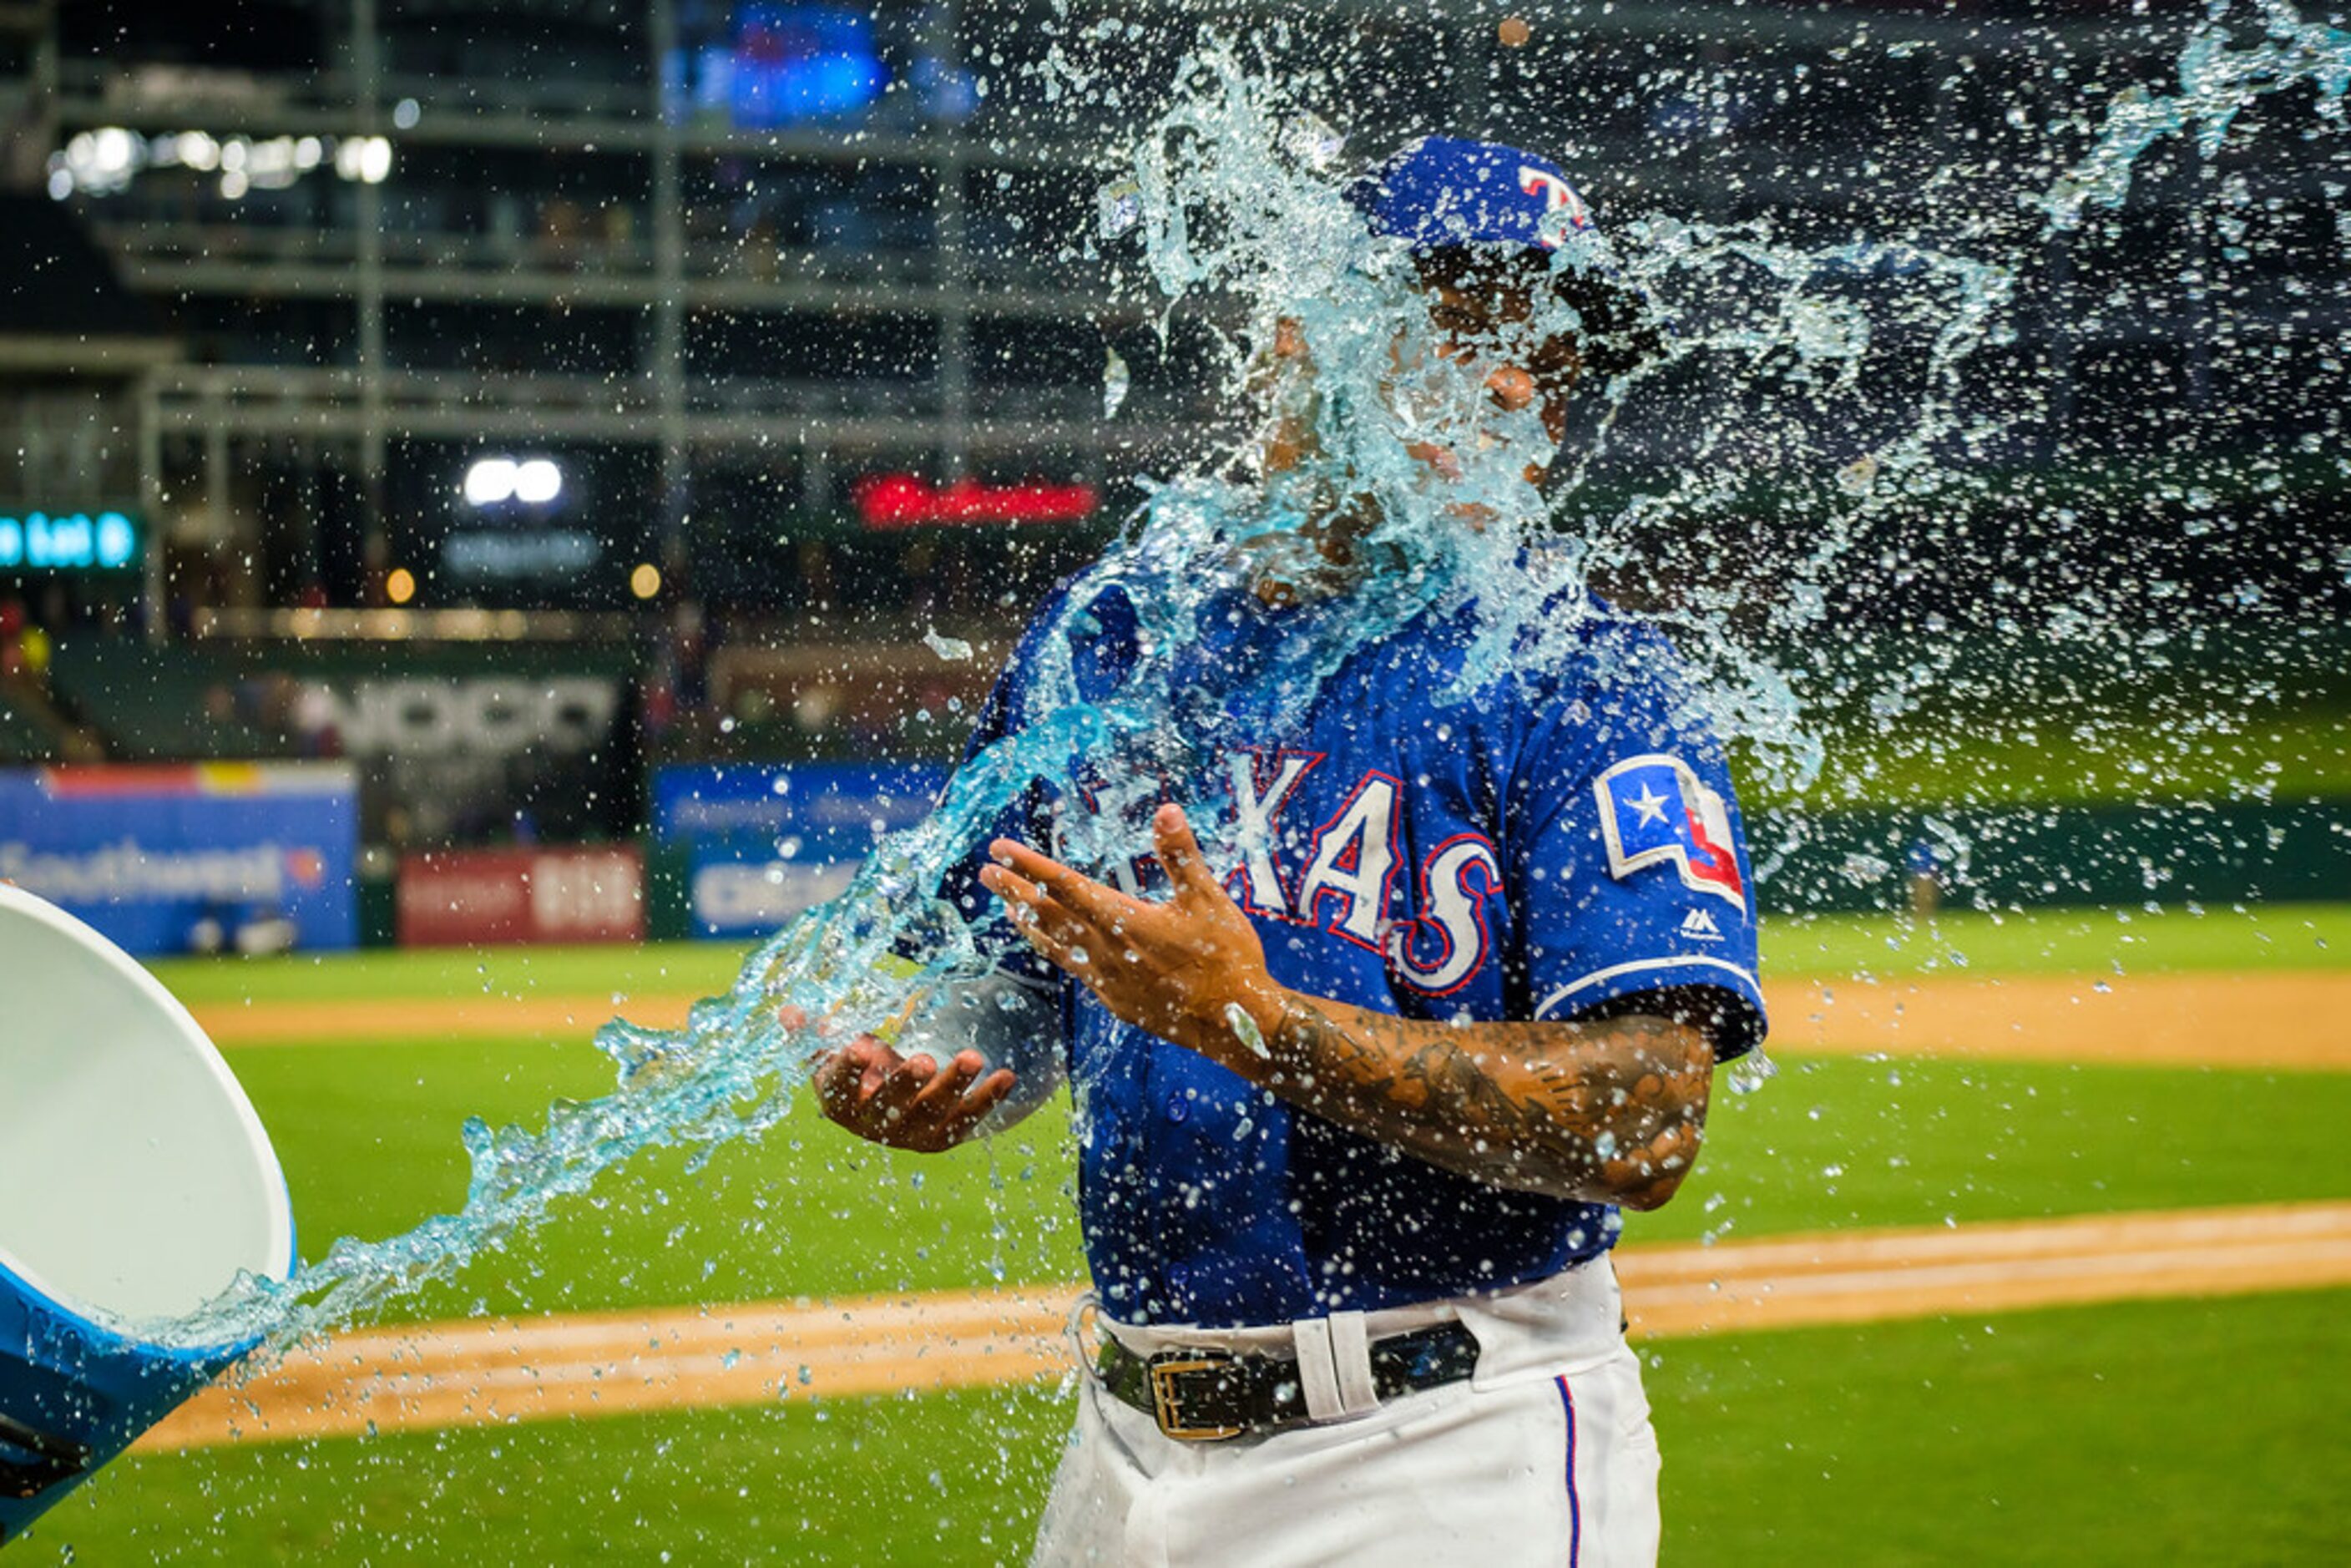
(2206, 851)
(149, 854)
(732, 879)
(153, 856)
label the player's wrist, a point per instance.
(1237, 1025)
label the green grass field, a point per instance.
(367, 1135)
(1992, 756)
(2174, 1431)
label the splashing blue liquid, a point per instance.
(2218, 79)
(1231, 199)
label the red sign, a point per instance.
(450, 898)
(904, 501)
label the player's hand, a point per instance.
(1174, 969)
(904, 1101)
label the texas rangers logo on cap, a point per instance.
(1440, 190)
(1653, 809)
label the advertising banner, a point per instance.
(452, 898)
(455, 743)
(764, 841)
(174, 858)
(452, 755)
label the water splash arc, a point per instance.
(1236, 213)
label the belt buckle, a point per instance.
(1166, 1402)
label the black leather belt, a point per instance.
(1199, 1395)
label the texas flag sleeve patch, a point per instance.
(1653, 810)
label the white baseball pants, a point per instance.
(1545, 1455)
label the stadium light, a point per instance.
(112, 150)
(537, 481)
(367, 159)
(271, 164)
(106, 160)
(490, 480)
(534, 481)
(101, 162)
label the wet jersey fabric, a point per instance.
(1531, 851)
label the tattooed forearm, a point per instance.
(1604, 1109)
(1611, 1110)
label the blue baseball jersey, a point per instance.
(1532, 850)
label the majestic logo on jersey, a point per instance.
(1700, 926)
(1652, 809)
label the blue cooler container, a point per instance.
(135, 1185)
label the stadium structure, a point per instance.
(501, 400)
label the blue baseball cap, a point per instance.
(1441, 193)
(1440, 190)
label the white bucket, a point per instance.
(135, 1183)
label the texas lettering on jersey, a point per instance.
(1343, 880)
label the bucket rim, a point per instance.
(111, 1335)
(83, 1316)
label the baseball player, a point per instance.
(1357, 1113)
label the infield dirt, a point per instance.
(2289, 1018)
(504, 1370)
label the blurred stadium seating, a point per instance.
(578, 338)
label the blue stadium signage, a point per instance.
(69, 541)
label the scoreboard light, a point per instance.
(69, 541)
(907, 500)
